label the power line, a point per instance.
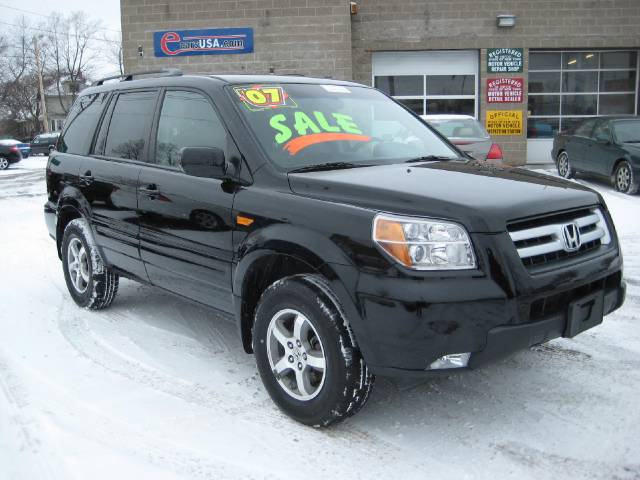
(47, 16)
(113, 42)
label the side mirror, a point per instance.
(207, 162)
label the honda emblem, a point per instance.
(571, 235)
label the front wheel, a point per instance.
(4, 163)
(306, 353)
(91, 284)
(564, 166)
(623, 179)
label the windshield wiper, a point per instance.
(431, 158)
(328, 166)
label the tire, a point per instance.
(328, 395)
(564, 166)
(91, 284)
(623, 179)
(4, 163)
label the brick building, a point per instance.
(576, 58)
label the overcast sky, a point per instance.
(107, 11)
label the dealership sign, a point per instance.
(218, 41)
(504, 122)
(504, 90)
(504, 60)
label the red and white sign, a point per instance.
(504, 90)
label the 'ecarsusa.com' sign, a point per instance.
(212, 41)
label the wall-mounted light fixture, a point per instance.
(506, 20)
(353, 7)
(140, 51)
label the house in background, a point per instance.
(59, 103)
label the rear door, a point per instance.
(186, 227)
(578, 143)
(109, 177)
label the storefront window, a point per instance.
(432, 94)
(457, 106)
(567, 87)
(401, 85)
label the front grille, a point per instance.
(544, 240)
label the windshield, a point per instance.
(627, 131)
(458, 128)
(301, 125)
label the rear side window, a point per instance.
(129, 125)
(81, 123)
(187, 119)
(585, 129)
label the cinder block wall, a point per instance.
(387, 25)
(310, 37)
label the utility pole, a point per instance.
(43, 104)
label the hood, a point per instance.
(481, 196)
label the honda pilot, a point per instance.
(344, 236)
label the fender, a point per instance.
(72, 198)
(316, 251)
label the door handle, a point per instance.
(150, 191)
(87, 178)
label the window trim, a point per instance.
(230, 142)
(108, 117)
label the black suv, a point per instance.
(347, 238)
(44, 143)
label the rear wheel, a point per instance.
(4, 163)
(623, 179)
(306, 354)
(91, 284)
(564, 166)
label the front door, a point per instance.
(186, 227)
(109, 177)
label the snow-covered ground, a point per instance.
(157, 388)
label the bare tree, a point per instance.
(69, 53)
(113, 53)
(19, 100)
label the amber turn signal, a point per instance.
(244, 221)
(390, 236)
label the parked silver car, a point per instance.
(467, 134)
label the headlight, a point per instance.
(424, 244)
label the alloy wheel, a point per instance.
(78, 265)
(623, 178)
(563, 164)
(4, 163)
(295, 354)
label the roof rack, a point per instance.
(165, 72)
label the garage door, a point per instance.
(430, 82)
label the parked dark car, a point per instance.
(605, 146)
(44, 143)
(25, 148)
(339, 252)
(9, 153)
(466, 133)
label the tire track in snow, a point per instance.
(254, 415)
(554, 466)
(26, 441)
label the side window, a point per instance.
(602, 133)
(187, 119)
(585, 129)
(81, 124)
(129, 125)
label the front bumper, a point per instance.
(408, 322)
